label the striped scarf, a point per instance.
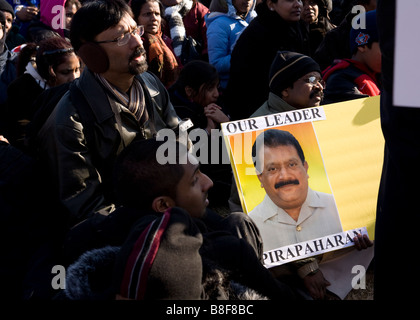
(174, 15)
(141, 259)
(134, 101)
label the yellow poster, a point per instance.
(343, 147)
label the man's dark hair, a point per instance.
(95, 17)
(195, 74)
(139, 177)
(273, 138)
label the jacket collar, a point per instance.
(97, 97)
(95, 94)
(277, 104)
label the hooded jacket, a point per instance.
(348, 79)
(223, 29)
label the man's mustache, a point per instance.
(285, 183)
(137, 53)
(316, 92)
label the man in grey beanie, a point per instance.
(295, 82)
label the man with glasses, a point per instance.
(114, 102)
(295, 82)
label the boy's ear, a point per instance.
(162, 203)
(362, 49)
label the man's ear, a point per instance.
(162, 203)
(285, 93)
(259, 176)
(306, 166)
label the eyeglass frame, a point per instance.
(139, 30)
(315, 81)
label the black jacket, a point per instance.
(220, 249)
(252, 56)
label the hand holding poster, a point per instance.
(310, 205)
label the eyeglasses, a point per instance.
(314, 80)
(124, 38)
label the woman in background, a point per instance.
(315, 13)
(196, 96)
(225, 22)
(55, 63)
(160, 57)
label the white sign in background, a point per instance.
(406, 55)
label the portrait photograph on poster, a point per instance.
(309, 180)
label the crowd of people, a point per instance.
(85, 90)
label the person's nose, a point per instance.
(216, 93)
(283, 173)
(206, 183)
(154, 17)
(136, 41)
(74, 75)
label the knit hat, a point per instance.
(5, 6)
(362, 36)
(160, 259)
(287, 67)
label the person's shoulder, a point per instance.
(324, 198)
(64, 110)
(201, 8)
(261, 111)
(257, 212)
(221, 21)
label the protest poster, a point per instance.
(343, 146)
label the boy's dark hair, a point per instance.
(196, 73)
(273, 138)
(95, 17)
(139, 177)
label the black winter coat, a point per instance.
(252, 56)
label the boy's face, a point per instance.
(372, 57)
(192, 190)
